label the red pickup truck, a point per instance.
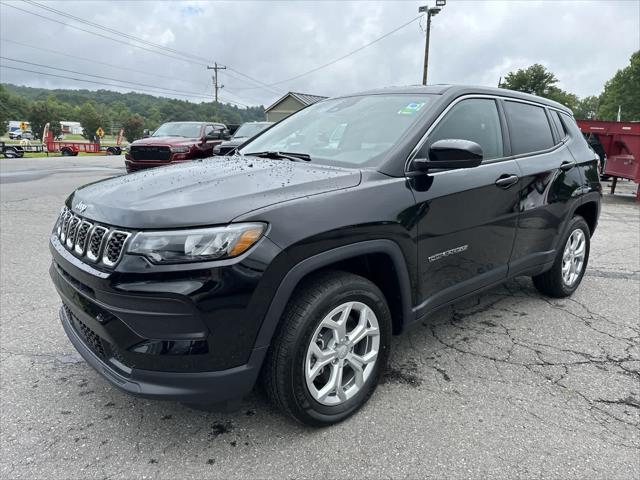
(175, 142)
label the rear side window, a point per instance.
(529, 128)
(555, 118)
(475, 119)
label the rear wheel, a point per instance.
(11, 153)
(330, 350)
(571, 262)
(66, 152)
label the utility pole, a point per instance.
(215, 69)
(430, 13)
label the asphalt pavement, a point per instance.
(509, 384)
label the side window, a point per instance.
(529, 128)
(208, 129)
(475, 119)
(555, 118)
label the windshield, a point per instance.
(250, 129)
(176, 129)
(345, 131)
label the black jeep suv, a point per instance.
(295, 260)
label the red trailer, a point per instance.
(620, 142)
(73, 148)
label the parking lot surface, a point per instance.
(507, 384)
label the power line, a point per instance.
(324, 65)
(96, 83)
(185, 55)
(111, 65)
(88, 81)
(102, 36)
(114, 31)
(170, 90)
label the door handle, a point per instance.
(506, 180)
(566, 166)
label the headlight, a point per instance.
(197, 245)
(179, 149)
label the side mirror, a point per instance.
(215, 135)
(448, 153)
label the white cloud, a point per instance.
(583, 43)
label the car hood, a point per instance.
(149, 141)
(204, 192)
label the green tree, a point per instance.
(622, 91)
(537, 80)
(43, 112)
(90, 119)
(586, 108)
(133, 127)
(12, 107)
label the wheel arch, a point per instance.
(589, 211)
(347, 258)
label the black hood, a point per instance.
(204, 192)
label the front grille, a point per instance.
(97, 243)
(113, 249)
(150, 153)
(81, 237)
(72, 230)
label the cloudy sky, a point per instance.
(473, 42)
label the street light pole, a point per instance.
(430, 13)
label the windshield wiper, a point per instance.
(294, 157)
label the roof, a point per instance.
(458, 90)
(305, 99)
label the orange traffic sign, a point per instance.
(100, 132)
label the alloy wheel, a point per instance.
(342, 353)
(573, 257)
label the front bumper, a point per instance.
(195, 387)
(176, 334)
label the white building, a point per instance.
(71, 127)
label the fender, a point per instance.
(311, 264)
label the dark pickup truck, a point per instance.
(297, 259)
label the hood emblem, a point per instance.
(80, 207)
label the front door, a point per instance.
(468, 216)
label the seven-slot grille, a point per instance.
(96, 243)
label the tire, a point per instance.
(553, 282)
(66, 152)
(11, 153)
(291, 354)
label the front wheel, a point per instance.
(571, 262)
(330, 350)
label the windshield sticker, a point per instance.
(411, 108)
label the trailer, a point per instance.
(618, 145)
(11, 150)
(73, 148)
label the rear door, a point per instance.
(549, 184)
(467, 218)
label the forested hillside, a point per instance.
(111, 109)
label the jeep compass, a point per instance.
(294, 261)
